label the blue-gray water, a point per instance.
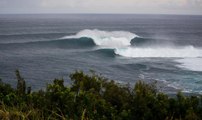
(126, 48)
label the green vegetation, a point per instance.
(92, 96)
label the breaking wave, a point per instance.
(109, 39)
(122, 43)
(127, 44)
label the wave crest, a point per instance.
(110, 39)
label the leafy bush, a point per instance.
(92, 96)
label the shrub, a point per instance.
(92, 96)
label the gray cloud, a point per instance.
(102, 6)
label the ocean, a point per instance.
(166, 49)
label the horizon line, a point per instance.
(100, 14)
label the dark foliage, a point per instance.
(92, 96)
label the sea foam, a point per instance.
(193, 64)
(188, 57)
(176, 52)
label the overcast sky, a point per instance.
(102, 6)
